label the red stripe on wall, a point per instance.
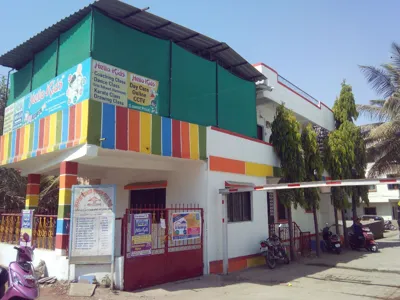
(17, 144)
(176, 138)
(185, 140)
(134, 130)
(121, 133)
(41, 133)
(71, 129)
(78, 117)
(21, 141)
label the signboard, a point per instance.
(141, 234)
(92, 224)
(67, 89)
(186, 226)
(26, 227)
(108, 84)
(142, 93)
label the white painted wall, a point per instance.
(319, 114)
(230, 146)
(243, 237)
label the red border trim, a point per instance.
(268, 67)
(239, 135)
(146, 185)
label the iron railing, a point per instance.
(298, 90)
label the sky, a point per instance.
(315, 44)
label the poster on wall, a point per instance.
(92, 224)
(142, 93)
(67, 89)
(108, 84)
(186, 226)
(26, 227)
(141, 234)
(8, 118)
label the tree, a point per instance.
(382, 138)
(286, 140)
(345, 154)
(313, 172)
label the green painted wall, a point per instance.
(194, 86)
(236, 104)
(45, 65)
(74, 45)
(133, 51)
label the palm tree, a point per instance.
(382, 137)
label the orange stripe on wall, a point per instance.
(134, 130)
(78, 116)
(228, 165)
(185, 140)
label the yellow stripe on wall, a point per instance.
(194, 141)
(85, 121)
(145, 133)
(26, 141)
(5, 148)
(53, 132)
(254, 169)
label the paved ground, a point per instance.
(351, 275)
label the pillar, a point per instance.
(32, 191)
(68, 178)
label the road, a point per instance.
(351, 275)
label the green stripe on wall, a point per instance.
(156, 135)
(203, 142)
(58, 129)
(63, 211)
(94, 126)
(31, 137)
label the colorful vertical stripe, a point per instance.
(57, 131)
(127, 129)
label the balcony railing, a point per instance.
(298, 90)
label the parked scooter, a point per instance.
(389, 226)
(22, 282)
(367, 243)
(273, 251)
(330, 241)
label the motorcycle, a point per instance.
(368, 242)
(389, 226)
(21, 279)
(273, 251)
(330, 241)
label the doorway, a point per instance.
(148, 198)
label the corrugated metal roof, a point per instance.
(148, 23)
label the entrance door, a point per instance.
(148, 198)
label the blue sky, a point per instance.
(313, 43)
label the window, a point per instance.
(370, 211)
(260, 133)
(393, 186)
(239, 207)
(372, 188)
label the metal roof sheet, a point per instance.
(146, 22)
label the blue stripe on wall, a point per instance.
(13, 142)
(166, 141)
(108, 126)
(35, 137)
(62, 226)
(64, 130)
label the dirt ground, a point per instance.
(351, 275)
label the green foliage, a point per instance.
(360, 165)
(313, 165)
(286, 140)
(345, 108)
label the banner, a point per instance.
(26, 227)
(142, 93)
(141, 234)
(67, 89)
(108, 84)
(92, 224)
(186, 226)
